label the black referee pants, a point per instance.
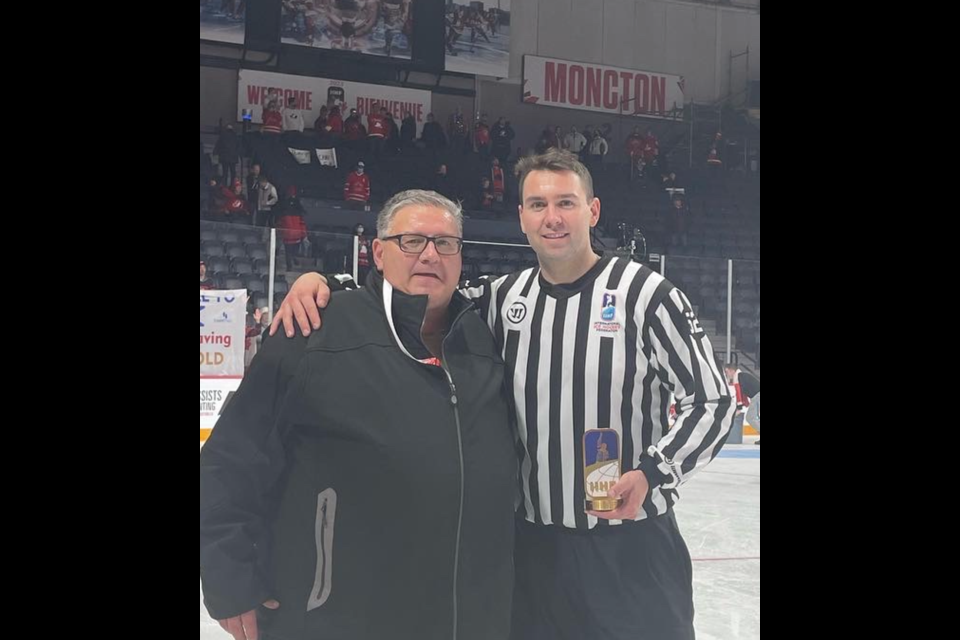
(629, 582)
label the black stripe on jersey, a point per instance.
(556, 394)
(580, 402)
(531, 389)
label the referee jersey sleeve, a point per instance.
(684, 362)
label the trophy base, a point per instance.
(604, 504)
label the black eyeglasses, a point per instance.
(412, 243)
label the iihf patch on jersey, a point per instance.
(609, 312)
(608, 315)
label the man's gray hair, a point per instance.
(420, 198)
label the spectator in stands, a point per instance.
(481, 138)
(292, 228)
(634, 147)
(353, 130)
(677, 222)
(210, 200)
(253, 181)
(672, 185)
(599, 148)
(267, 198)
(575, 142)
(363, 254)
(273, 95)
(292, 118)
(206, 284)
(556, 140)
(272, 119)
(408, 132)
(335, 123)
(251, 187)
(588, 134)
(227, 150)
(671, 181)
(357, 188)
(291, 200)
(206, 167)
(713, 158)
(635, 142)
(263, 329)
(433, 137)
(442, 183)
(251, 332)
(457, 127)
(264, 324)
(498, 181)
(228, 203)
(543, 144)
(747, 387)
(651, 152)
(486, 197)
(320, 125)
(378, 130)
(651, 144)
(392, 143)
(503, 136)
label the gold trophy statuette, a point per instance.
(601, 468)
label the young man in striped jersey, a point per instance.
(591, 343)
